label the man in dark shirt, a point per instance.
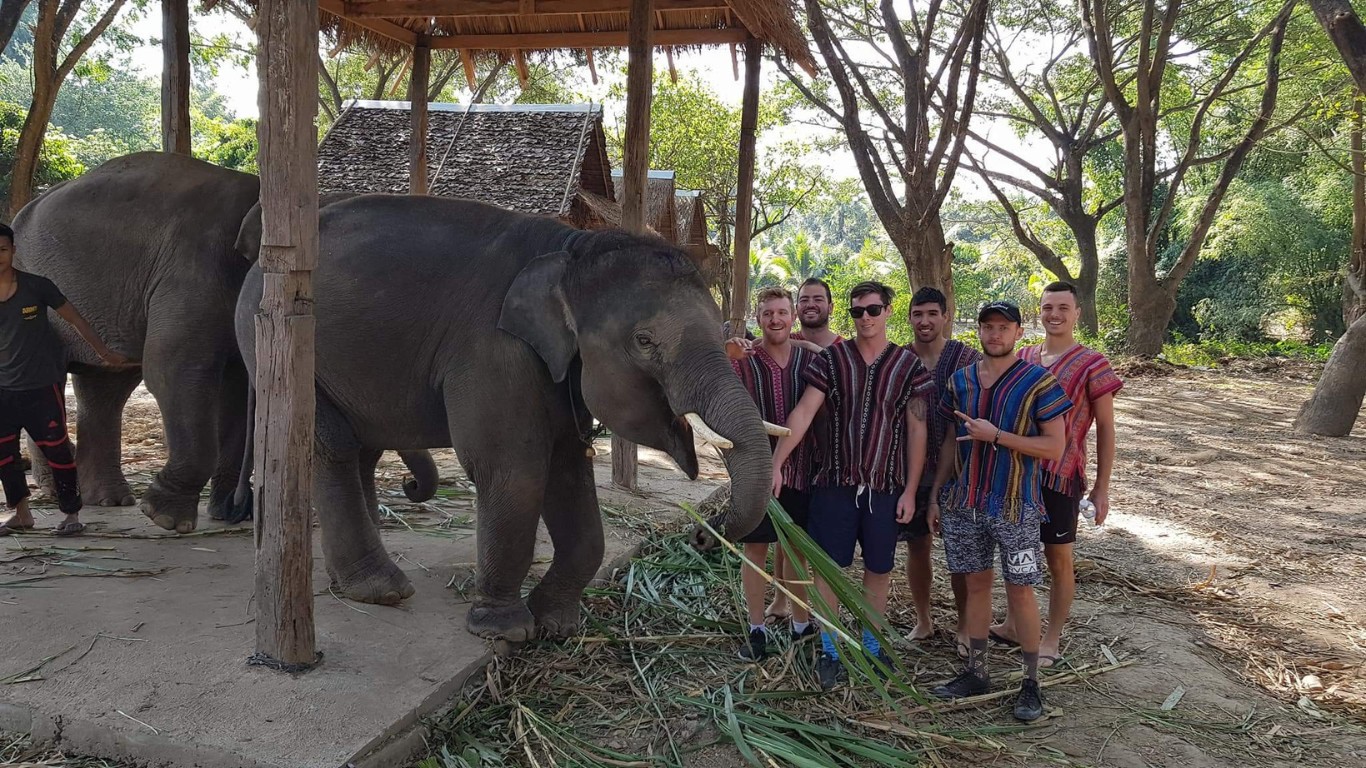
(32, 386)
(866, 482)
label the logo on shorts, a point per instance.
(1024, 561)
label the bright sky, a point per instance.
(714, 65)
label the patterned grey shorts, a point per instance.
(971, 538)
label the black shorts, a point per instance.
(1061, 525)
(796, 503)
(842, 517)
(920, 524)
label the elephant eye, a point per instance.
(644, 340)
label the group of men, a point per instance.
(889, 443)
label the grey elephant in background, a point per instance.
(451, 323)
(145, 245)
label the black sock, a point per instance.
(977, 656)
(1031, 662)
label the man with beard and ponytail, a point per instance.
(865, 484)
(771, 371)
(942, 357)
(1011, 420)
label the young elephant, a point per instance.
(452, 323)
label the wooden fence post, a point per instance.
(417, 98)
(635, 176)
(287, 62)
(175, 76)
(744, 196)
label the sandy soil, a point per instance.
(1231, 569)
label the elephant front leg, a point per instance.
(575, 524)
(100, 398)
(509, 499)
(189, 413)
(356, 560)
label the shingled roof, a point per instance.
(532, 158)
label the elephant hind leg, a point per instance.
(574, 522)
(359, 566)
(232, 439)
(369, 461)
(100, 398)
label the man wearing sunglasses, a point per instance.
(866, 483)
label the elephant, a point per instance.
(145, 246)
(444, 322)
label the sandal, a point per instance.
(69, 529)
(1003, 640)
(9, 529)
(1048, 662)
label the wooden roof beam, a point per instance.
(386, 28)
(392, 9)
(532, 41)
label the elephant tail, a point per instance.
(422, 485)
(242, 497)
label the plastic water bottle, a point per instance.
(1088, 510)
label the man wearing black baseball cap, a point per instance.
(1009, 418)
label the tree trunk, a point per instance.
(10, 13)
(1150, 311)
(1354, 284)
(929, 261)
(1333, 408)
(30, 145)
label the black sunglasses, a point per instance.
(873, 310)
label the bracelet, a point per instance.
(996, 443)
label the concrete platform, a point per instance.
(151, 634)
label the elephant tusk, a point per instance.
(776, 431)
(706, 433)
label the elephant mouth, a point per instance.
(691, 427)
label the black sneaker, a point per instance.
(1029, 704)
(965, 685)
(809, 632)
(887, 661)
(757, 647)
(830, 671)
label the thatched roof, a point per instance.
(519, 25)
(659, 202)
(690, 217)
(532, 158)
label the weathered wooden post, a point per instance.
(417, 99)
(744, 196)
(287, 63)
(635, 176)
(175, 76)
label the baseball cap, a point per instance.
(1004, 308)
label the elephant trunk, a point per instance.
(724, 405)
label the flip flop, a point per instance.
(1048, 662)
(1003, 640)
(9, 529)
(963, 650)
(69, 529)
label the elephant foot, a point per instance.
(375, 579)
(556, 618)
(173, 511)
(106, 491)
(511, 623)
(220, 500)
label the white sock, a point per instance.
(800, 626)
(753, 627)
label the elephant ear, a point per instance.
(535, 311)
(249, 235)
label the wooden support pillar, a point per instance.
(744, 195)
(635, 176)
(175, 76)
(287, 63)
(417, 97)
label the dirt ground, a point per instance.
(1227, 583)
